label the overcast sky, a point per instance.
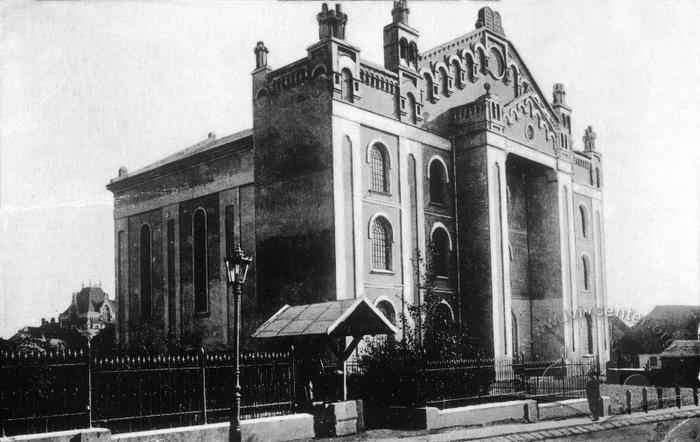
(87, 87)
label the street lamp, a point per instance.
(236, 271)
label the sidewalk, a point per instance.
(528, 431)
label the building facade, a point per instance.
(352, 170)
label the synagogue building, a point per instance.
(354, 170)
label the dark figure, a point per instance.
(593, 395)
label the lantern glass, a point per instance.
(237, 266)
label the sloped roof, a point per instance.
(682, 347)
(349, 317)
(90, 299)
(663, 323)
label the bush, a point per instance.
(421, 367)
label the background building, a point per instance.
(352, 170)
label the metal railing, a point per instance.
(127, 392)
(459, 382)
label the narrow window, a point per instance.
(387, 310)
(381, 244)
(589, 332)
(457, 72)
(437, 182)
(172, 306)
(379, 176)
(146, 277)
(403, 50)
(411, 103)
(199, 244)
(346, 86)
(597, 177)
(441, 252)
(428, 87)
(584, 221)
(444, 83)
(586, 273)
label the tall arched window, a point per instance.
(146, 274)
(413, 54)
(411, 105)
(403, 51)
(438, 179)
(381, 244)
(428, 86)
(597, 177)
(469, 66)
(379, 173)
(346, 92)
(585, 273)
(444, 82)
(387, 310)
(457, 72)
(589, 332)
(441, 252)
(584, 221)
(199, 269)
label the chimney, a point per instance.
(400, 12)
(331, 24)
(260, 55)
(559, 94)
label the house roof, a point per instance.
(682, 347)
(663, 323)
(349, 317)
(209, 144)
(90, 299)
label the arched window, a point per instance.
(379, 173)
(346, 85)
(387, 310)
(585, 273)
(381, 244)
(403, 51)
(146, 276)
(106, 314)
(413, 54)
(441, 252)
(589, 332)
(584, 221)
(443, 315)
(597, 177)
(444, 82)
(411, 111)
(516, 81)
(457, 72)
(438, 180)
(199, 270)
(428, 86)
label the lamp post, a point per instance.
(236, 271)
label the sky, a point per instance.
(87, 87)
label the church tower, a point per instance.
(401, 56)
(564, 114)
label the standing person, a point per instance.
(593, 395)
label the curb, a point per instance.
(578, 429)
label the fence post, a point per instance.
(695, 396)
(660, 396)
(628, 400)
(645, 403)
(204, 382)
(678, 396)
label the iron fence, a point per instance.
(71, 389)
(460, 382)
